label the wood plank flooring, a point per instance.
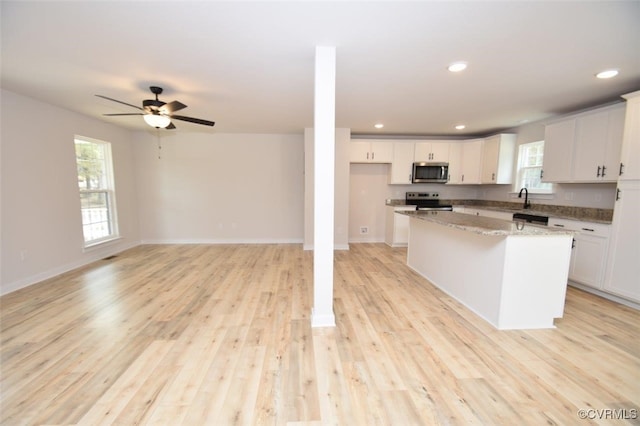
(220, 335)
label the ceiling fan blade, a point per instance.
(120, 102)
(126, 113)
(172, 107)
(193, 120)
(170, 126)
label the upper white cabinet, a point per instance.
(629, 168)
(598, 143)
(437, 151)
(558, 151)
(585, 147)
(497, 158)
(470, 162)
(370, 151)
(402, 163)
(455, 163)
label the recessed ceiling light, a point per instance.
(607, 74)
(460, 126)
(457, 66)
(379, 126)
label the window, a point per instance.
(97, 195)
(530, 157)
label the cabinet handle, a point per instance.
(373, 155)
(367, 155)
(617, 194)
(621, 169)
(541, 173)
(603, 169)
(409, 177)
(462, 178)
(573, 243)
(493, 176)
(558, 225)
(598, 174)
(588, 229)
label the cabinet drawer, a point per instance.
(587, 228)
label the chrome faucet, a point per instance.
(527, 204)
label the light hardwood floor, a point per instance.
(217, 335)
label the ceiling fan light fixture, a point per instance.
(157, 120)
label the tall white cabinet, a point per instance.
(623, 265)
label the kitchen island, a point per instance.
(512, 274)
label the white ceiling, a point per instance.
(249, 66)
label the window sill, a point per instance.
(97, 244)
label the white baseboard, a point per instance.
(221, 241)
(53, 272)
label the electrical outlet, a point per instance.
(364, 229)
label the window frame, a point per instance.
(548, 188)
(107, 187)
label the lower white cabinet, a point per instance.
(623, 268)
(397, 226)
(589, 253)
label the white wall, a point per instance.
(220, 188)
(41, 223)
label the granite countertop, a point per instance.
(586, 214)
(484, 225)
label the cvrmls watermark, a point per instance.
(608, 413)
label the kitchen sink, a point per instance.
(531, 218)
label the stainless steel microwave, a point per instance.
(430, 172)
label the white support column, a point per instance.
(324, 164)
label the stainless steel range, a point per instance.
(426, 201)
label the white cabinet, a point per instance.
(402, 163)
(589, 252)
(465, 162)
(397, 226)
(623, 266)
(497, 158)
(585, 147)
(598, 144)
(471, 162)
(629, 168)
(558, 151)
(455, 163)
(437, 151)
(370, 151)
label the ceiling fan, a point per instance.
(157, 113)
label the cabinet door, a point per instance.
(381, 152)
(440, 152)
(588, 260)
(471, 162)
(455, 163)
(490, 152)
(623, 265)
(630, 156)
(359, 151)
(590, 146)
(558, 151)
(422, 151)
(402, 164)
(613, 150)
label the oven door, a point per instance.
(430, 172)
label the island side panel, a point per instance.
(535, 281)
(465, 265)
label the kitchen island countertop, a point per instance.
(484, 225)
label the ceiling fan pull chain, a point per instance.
(159, 144)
